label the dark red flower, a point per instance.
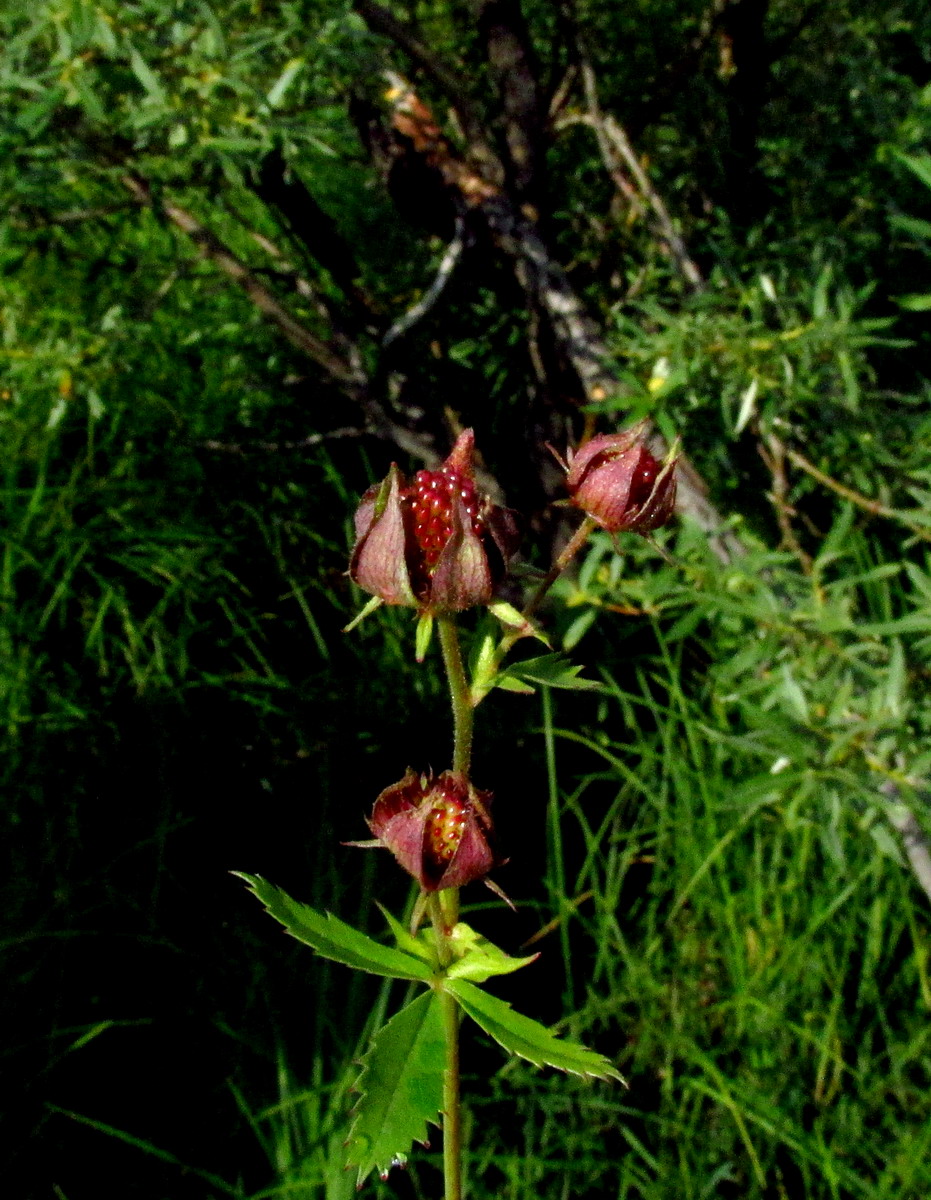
(436, 544)
(617, 481)
(437, 828)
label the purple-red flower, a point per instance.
(438, 829)
(436, 544)
(617, 481)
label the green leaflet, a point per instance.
(408, 942)
(550, 670)
(525, 1037)
(401, 1085)
(333, 938)
(477, 958)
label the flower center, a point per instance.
(430, 499)
(444, 828)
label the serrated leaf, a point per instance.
(479, 959)
(550, 670)
(333, 938)
(401, 1085)
(507, 684)
(527, 1038)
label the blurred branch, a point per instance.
(875, 507)
(773, 453)
(511, 57)
(616, 150)
(347, 372)
(444, 274)
(380, 20)
(315, 231)
(312, 439)
(212, 249)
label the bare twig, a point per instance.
(348, 373)
(220, 255)
(875, 507)
(444, 274)
(312, 439)
(773, 454)
(514, 68)
(616, 149)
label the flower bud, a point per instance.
(617, 481)
(436, 544)
(438, 829)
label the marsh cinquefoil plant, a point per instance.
(438, 546)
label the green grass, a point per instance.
(734, 921)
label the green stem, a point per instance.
(452, 1108)
(459, 694)
(570, 550)
(444, 909)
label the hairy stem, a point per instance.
(452, 1109)
(459, 695)
(452, 1112)
(570, 550)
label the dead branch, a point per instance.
(212, 249)
(312, 439)
(616, 149)
(444, 273)
(313, 231)
(347, 373)
(547, 286)
(773, 453)
(875, 507)
(380, 20)
(513, 67)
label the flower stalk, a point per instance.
(459, 694)
(452, 1105)
(446, 912)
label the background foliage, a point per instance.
(214, 222)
